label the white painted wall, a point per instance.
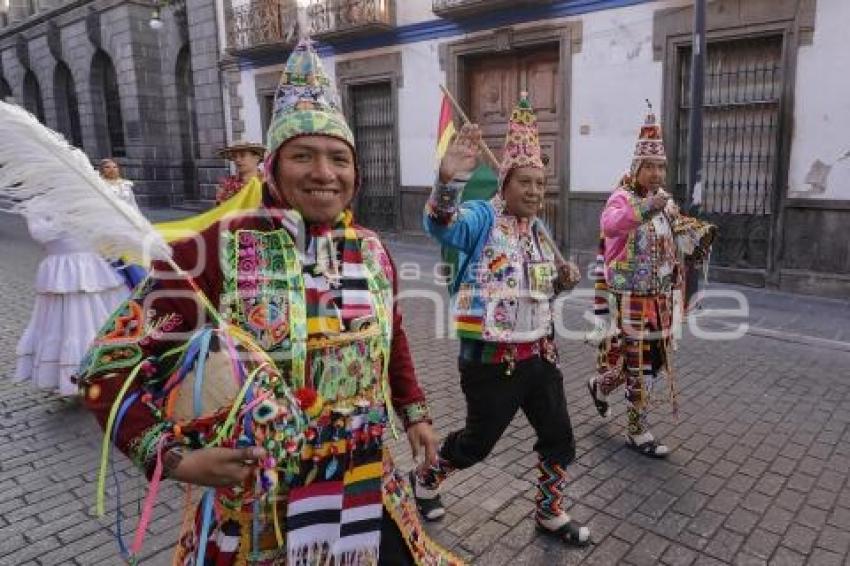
(250, 111)
(822, 105)
(419, 106)
(612, 77)
(419, 111)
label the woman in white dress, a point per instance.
(76, 292)
(111, 173)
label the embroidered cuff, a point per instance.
(442, 205)
(415, 413)
(143, 451)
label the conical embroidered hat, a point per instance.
(650, 144)
(522, 143)
(306, 102)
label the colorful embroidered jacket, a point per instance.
(321, 307)
(637, 283)
(503, 290)
(639, 247)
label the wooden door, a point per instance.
(494, 83)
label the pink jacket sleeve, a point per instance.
(622, 215)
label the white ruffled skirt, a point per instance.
(75, 295)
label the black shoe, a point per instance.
(602, 406)
(430, 507)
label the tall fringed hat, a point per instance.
(306, 103)
(522, 143)
(650, 145)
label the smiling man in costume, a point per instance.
(315, 291)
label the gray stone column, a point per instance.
(203, 39)
(134, 49)
(14, 74)
(43, 65)
(77, 52)
(232, 79)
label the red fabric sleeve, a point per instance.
(160, 315)
(407, 396)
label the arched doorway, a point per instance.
(106, 102)
(67, 109)
(32, 96)
(188, 122)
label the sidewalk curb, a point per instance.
(790, 337)
(778, 335)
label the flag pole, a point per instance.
(559, 257)
(465, 119)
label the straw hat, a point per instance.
(241, 145)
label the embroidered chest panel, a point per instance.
(513, 279)
(650, 258)
(265, 293)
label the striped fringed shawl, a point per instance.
(623, 338)
(337, 514)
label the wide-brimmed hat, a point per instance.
(241, 145)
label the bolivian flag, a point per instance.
(446, 129)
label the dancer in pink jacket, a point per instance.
(638, 282)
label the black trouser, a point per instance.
(493, 398)
(394, 551)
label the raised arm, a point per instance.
(448, 221)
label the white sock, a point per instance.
(642, 438)
(423, 492)
(594, 381)
(556, 523)
(645, 437)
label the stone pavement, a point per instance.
(758, 475)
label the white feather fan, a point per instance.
(48, 176)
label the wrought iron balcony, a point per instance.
(466, 8)
(262, 24)
(332, 20)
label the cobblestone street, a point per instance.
(758, 473)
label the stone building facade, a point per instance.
(97, 71)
